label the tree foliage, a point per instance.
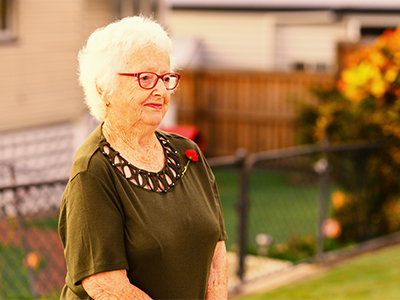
(363, 106)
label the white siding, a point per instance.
(262, 41)
(38, 71)
(308, 44)
(97, 13)
(37, 78)
(231, 40)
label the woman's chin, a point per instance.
(154, 120)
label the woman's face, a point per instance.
(133, 105)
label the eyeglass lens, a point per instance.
(149, 80)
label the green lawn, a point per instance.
(369, 276)
(14, 282)
(14, 278)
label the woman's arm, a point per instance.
(113, 285)
(218, 282)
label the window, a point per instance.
(6, 20)
(369, 34)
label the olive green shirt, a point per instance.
(165, 240)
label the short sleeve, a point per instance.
(223, 236)
(217, 200)
(91, 228)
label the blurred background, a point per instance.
(257, 75)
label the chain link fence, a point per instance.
(34, 166)
(31, 256)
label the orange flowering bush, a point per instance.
(374, 71)
(363, 106)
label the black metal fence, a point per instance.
(277, 198)
(282, 199)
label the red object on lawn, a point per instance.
(190, 132)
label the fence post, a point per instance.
(242, 207)
(322, 168)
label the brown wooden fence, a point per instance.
(251, 110)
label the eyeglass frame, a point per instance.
(137, 75)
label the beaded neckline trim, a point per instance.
(160, 182)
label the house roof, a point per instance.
(341, 5)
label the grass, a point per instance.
(14, 282)
(45, 222)
(279, 206)
(14, 278)
(370, 276)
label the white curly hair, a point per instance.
(106, 53)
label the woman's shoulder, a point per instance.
(88, 155)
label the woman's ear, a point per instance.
(99, 90)
(102, 95)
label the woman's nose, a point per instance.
(160, 86)
(160, 89)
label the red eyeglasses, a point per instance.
(148, 80)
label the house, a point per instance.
(277, 35)
(38, 49)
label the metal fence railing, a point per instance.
(37, 155)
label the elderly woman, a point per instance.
(137, 220)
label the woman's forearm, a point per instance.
(113, 285)
(218, 281)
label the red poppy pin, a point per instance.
(192, 156)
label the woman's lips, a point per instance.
(154, 105)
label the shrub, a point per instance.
(364, 106)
